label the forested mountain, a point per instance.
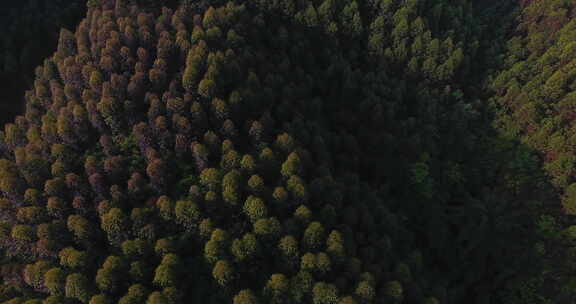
(295, 151)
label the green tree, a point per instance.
(223, 272)
(277, 287)
(231, 187)
(167, 273)
(157, 297)
(335, 246)
(314, 236)
(255, 208)
(54, 280)
(268, 228)
(78, 286)
(247, 164)
(210, 178)
(292, 165)
(288, 246)
(324, 293)
(100, 299)
(365, 291)
(245, 296)
(187, 213)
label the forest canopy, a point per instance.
(295, 151)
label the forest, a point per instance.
(288, 151)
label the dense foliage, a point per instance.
(535, 99)
(296, 151)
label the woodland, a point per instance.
(288, 151)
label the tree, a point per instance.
(175, 295)
(100, 299)
(32, 197)
(256, 131)
(30, 215)
(335, 246)
(288, 246)
(251, 244)
(230, 160)
(351, 19)
(11, 183)
(229, 130)
(158, 298)
(303, 214)
(314, 236)
(296, 186)
(277, 287)
(301, 284)
(308, 262)
(140, 272)
(66, 45)
(210, 177)
(78, 286)
(73, 258)
(158, 172)
(255, 208)
(34, 273)
(167, 273)
(80, 227)
(114, 223)
(166, 207)
(23, 233)
(54, 280)
(213, 251)
(207, 88)
(285, 143)
(220, 109)
(205, 228)
(133, 249)
(165, 245)
(231, 187)
(223, 272)
(65, 126)
(245, 296)
(323, 263)
(324, 293)
(256, 185)
(365, 291)
(268, 228)
(107, 280)
(247, 164)
(187, 213)
(136, 184)
(137, 293)
(280, 196)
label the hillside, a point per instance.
(296, 151)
